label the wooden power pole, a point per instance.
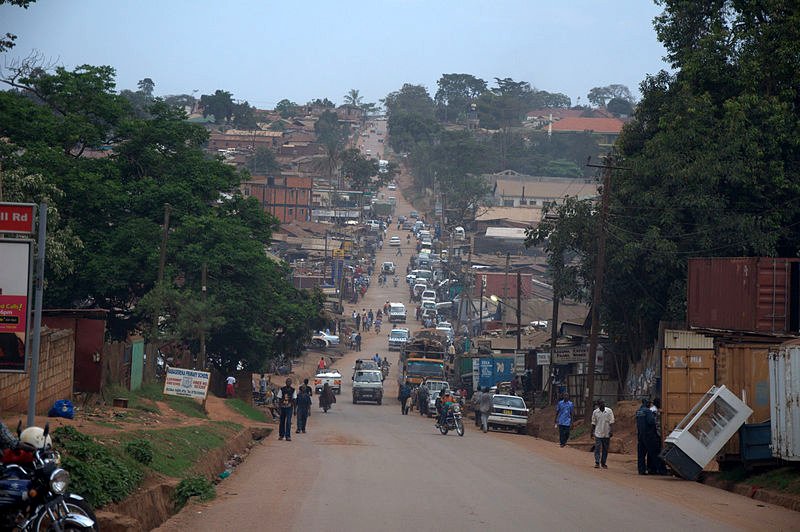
(598, 289)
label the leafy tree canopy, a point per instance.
(712, 159)
(220, 105)
(598, 96)
(108, 208)
(287, 108)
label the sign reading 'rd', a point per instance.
(17, 217)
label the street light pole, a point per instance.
(480, 306)
(519, 311)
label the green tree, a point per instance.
(263, 162)
(455, 94)
(146, 87)
(244, 116)
(287, 108)
(410, 99)
(331, 135)
(598, 96)
(619, 107)
(219, 105)
(711, 159)
(353, 98)
(358, 169)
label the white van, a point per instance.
(397, 312)
(459, 233)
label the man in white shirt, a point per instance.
(230, 390)
(602, 419)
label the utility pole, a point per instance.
(325, 260)
(505, 294)
(519, 311)
(480, 306)
(203, 293)
(598, 288)
(554, 321)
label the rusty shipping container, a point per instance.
(744, 294)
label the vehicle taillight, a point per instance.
(339, 382)
(317, 381)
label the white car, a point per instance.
(323, 339)
(510, 412)
(394, 241)
(392, 186)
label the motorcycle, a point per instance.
(452, 421)
(33, 491)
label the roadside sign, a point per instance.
(16, 272)
(17, 217)
(543, 359)
(186, 383)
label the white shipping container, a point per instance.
(784, 392)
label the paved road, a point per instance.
(367, 467)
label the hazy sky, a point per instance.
(263, 51)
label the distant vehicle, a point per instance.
(397, 312)
(400, 219)
(388, 267)
(368, 384)
(392, 186)
(398, 338)
(413, 214)
(394, 241)
(428, 295)
(510, 412)
(328, 339)
(407, 225)
(332, 377)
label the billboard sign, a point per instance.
(17, 217)
(16, 273)
(186, 383)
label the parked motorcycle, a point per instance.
(453, 421)
(33, 489)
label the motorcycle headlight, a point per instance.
(59, 480)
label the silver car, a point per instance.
(509, 412)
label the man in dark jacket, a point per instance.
(303, 406)
(646, 436)
(405, 394)
(287, 398)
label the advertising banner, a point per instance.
(186, 383)
(16, 268)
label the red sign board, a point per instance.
(17, 217)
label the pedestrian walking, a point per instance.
(303, 408)
(321, 364)
(645, 439)
(399, 252)
(262, 388)
(486, 408)
(326, 398)
(358, 341)
(476, 406)
(405, 394)
(602, 421)
(287, 398)
(565, 410)
(357, 318)
(230, 386)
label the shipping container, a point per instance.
(784, 369)
(744, 294)
(687, 372)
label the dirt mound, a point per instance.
(541, 425)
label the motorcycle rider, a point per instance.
(443, 403)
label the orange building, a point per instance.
(288, 198)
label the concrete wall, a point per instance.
(56, 367)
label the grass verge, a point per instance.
(247, 410)
(145, 399)
(782, 479)
(108, 468)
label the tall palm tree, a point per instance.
(353, 98)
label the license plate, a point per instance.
(507, 412)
